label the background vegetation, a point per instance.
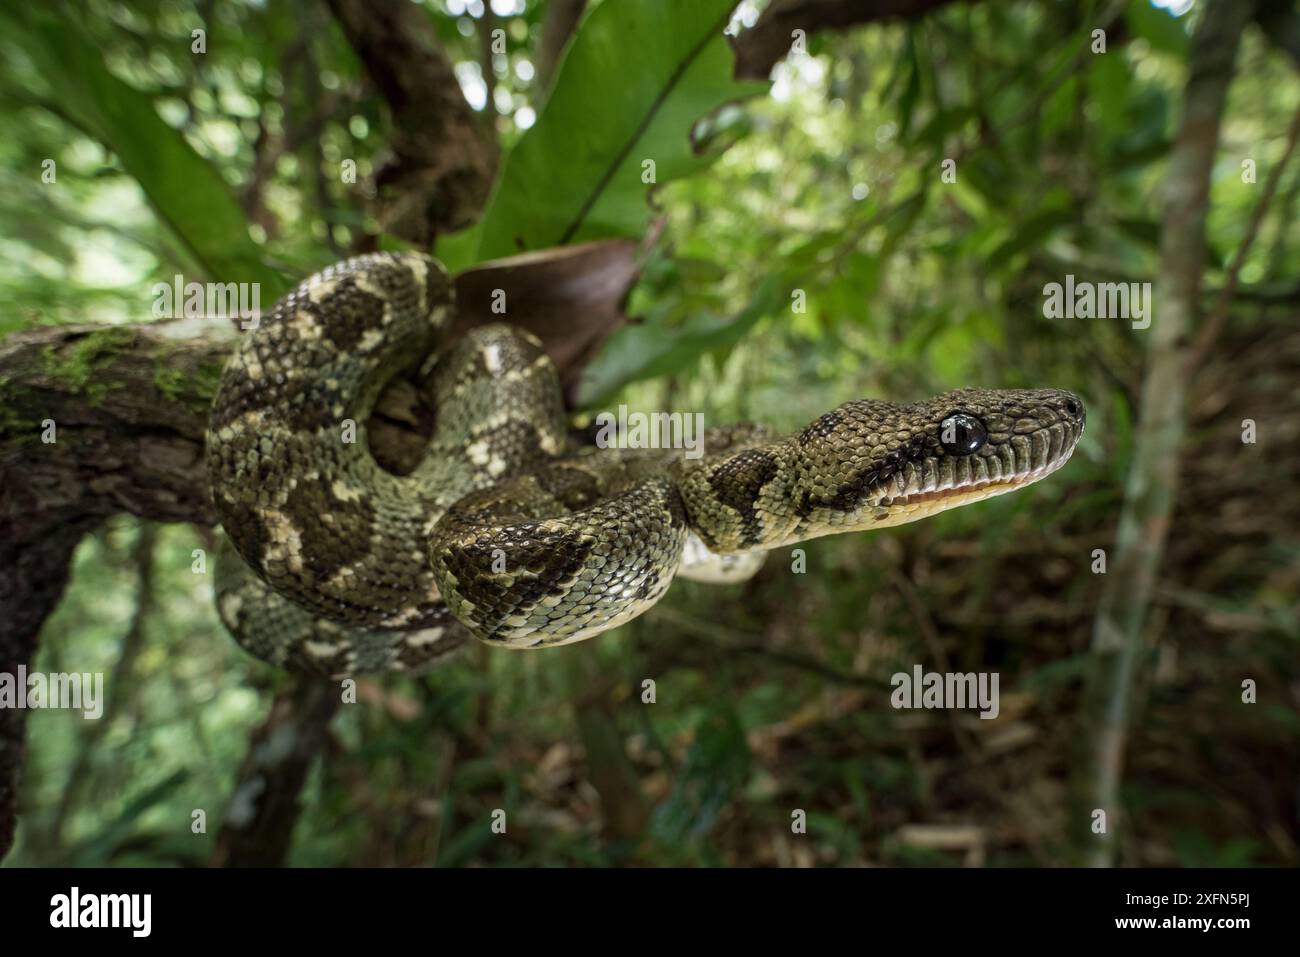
(771, 696)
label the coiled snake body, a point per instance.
(505, 531)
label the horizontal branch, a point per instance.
(96, 420)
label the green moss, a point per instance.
(209, 377)
(195, 388)
(169, 381)
(18, 421)
(78, 364)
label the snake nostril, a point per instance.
(1073, 407)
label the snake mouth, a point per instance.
(922, 490)
(909, 506)
(972, 491)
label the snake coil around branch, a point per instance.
(507, 532)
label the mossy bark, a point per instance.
(88, 429)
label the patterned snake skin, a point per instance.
(504, 531)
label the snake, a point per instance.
(509, 530)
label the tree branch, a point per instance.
(760, 47)
(264, 806)
(1279, 20)
(444, 159)
(1213, 326)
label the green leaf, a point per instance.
(715, 769)
(1158, 27)
(1146, 231)
(637, 77)
(899, 221)
(650, 349)
(1058, 113)
(464, 843)
(187, 193)
(1108, 88)
(99, 849)
(1199, 850)
(1031, 233)
(912, 91)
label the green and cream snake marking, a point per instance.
(506, 531)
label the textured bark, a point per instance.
(33, 572)
(126, 408)
(1150, 493)
(129, 405)
(759, 48)
(444, 157)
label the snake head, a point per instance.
(872, 464)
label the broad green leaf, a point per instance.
(187, 193)
(1145, 231)
(1060, 111)
(638, 76)
(944, 123)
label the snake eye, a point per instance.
(962, 434)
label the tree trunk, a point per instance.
(1153, 476)
(264, 803)
(444, 158)
(759, 48)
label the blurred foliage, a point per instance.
(829, 196)
(593, 138)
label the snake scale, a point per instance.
(506, 531)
